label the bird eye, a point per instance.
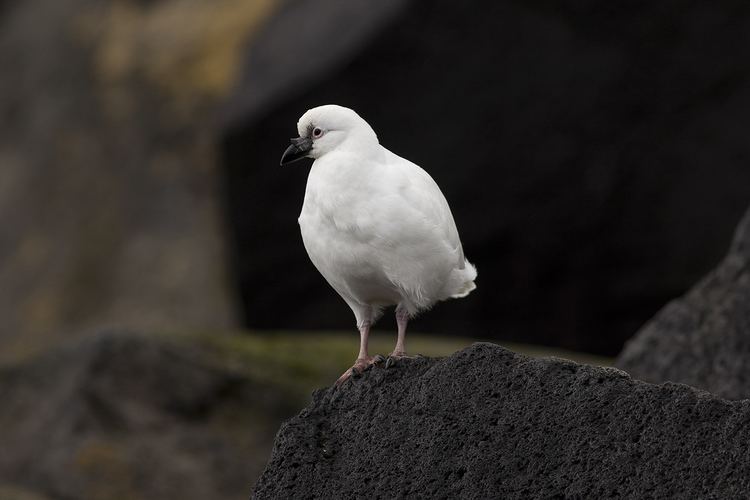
(317, 132)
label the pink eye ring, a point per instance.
(317, 132)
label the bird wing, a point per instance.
(424, 196)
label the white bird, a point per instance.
(375, 225)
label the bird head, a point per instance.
(325, 129)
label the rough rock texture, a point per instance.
(487, 423)
(109, 199)
(703, 338)
(130, 416)
(594, 154)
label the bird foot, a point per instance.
(360, 366)
(396, 356)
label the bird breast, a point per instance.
(337, 231)
(372, 242)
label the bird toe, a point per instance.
(344, 377)
(360, 367)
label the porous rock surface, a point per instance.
(703, 338)
(488, 423)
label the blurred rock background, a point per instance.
(108, 186)
(703, 338)
(595, 156)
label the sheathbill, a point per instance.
(375, 225)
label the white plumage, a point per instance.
(375, 225)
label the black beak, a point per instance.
(298, 150)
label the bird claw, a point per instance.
(344, 377)
(359, 368)
(363, 365)
(394, 358)
(358, 371)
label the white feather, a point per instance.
(376, 225)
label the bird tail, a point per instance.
(461, 281)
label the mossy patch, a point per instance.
(300, 362)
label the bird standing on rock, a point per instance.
(375, 225)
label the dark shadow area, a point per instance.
(594, 155)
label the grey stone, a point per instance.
(108, 193)
(126, 415)
(703, 338)
(287, 53)
(488, 423)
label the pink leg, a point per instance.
(364, 360)
(364, 335)
(402, 319)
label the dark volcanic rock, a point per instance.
(594, 154)
(703, 338)
(487, 423)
